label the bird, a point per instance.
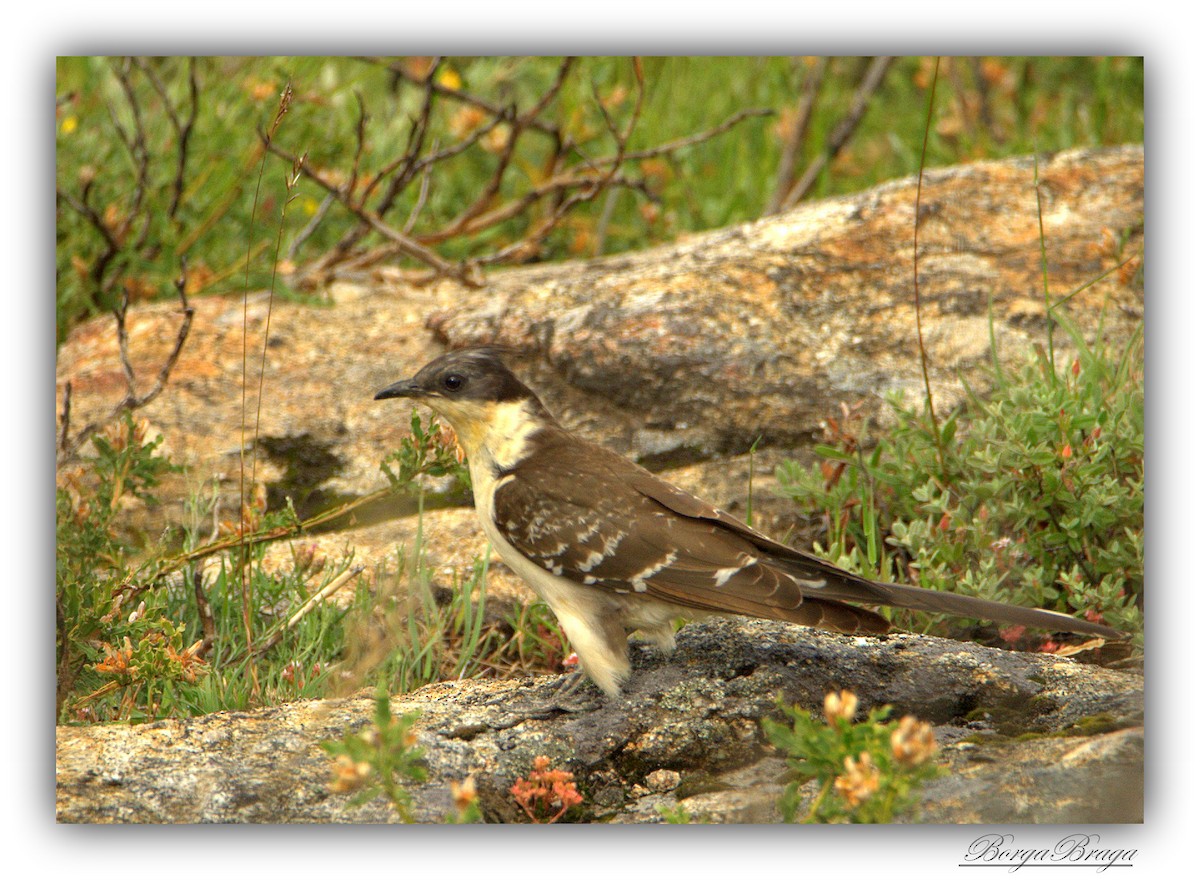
(612, 548)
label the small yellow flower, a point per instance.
(70, 124)
(450, 79)
(840, 705)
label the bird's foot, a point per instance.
(571, 694)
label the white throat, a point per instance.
(495, 436)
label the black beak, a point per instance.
(403, 388)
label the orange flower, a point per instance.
(859, 782)
(464, 794)
(547, 794)
(190, 664)
(117, 661)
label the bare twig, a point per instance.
(183, 128)
(422, 195)
(566, 177)
(693, 139)
(65, 418)
(132, 400)
(310, 227)
(303, 611)
(207, 623)
(405, 244)
(102, 278)
(933, 423)
(842, 131)
(458, 95)
(799, 132)
(412, 149)
(139, 154)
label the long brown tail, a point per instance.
(837, 585)
(969, 606)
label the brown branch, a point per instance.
(204, 609)
(102, 281)
(841, 133)
(405, 244)
(519, 204)
(146, 579)
(313, 601)
(132, 400)
(542, 229)
(457, 94)
(562, 187)
(412, 150)
(693, 139)
(139, 154)
(183, 129)
(791, 145)
(422, 195)
(65, 418)
(360, 138)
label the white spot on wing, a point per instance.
(639, 579)
(594, 559)
(722, 575)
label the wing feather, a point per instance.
(604, 522)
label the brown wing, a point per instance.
(601, 520)
(604, 522)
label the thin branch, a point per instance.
(457, 94)
(65, 418)
(693, 139)
(560, 184)
(360, 139)
(305, 609)
(309, 228)
(933, 423)
(837, 139)
(791, 145)
(422, 195)
(139, 153)
(151, 576)
(405, 244)
(132, 400)
(183, 129)
(412, 150)
(590, 183)
(102, 280)
(208, 625)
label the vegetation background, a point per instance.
(158, 159)
(181, 177)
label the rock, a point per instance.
(687, 733)
(676, 354)
(681, 356)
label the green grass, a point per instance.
(130, 626)
(1034, 496)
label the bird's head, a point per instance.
(478, 395)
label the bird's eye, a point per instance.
(453, 382)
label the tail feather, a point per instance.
(969, 606)
(830, 583)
